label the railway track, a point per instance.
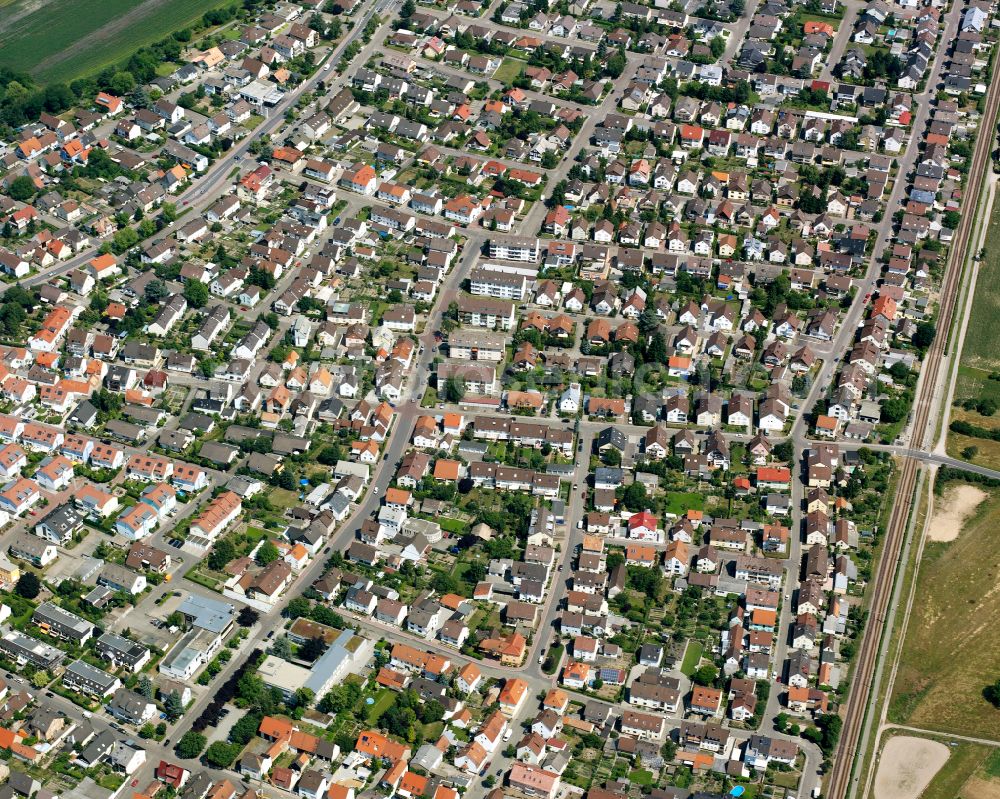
(841, 784)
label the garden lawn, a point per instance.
(692, 657)
(508, 71)
(383, 701)
(679, 502)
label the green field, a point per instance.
(59, 40)
(980, 355)
(949, 648)
(980, 349)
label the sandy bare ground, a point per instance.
(952, 510)
(907, 765)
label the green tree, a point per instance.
(340, 698)
(705, 675)
(303, 697)
(252, 690)
(21, 189)
(247, 617)
(176, 619)
(991, 693)
(173, 706)
(124, 239)
(444, 583)
(145, 687)
(783, 452)
(28, 586)
(634, 497)
(223, 552)
(196, 293)
(155, 291)
(298, 608)
(245, 730)
(267, 553)
(282, 648)
(454, 390)
(950, 219)
(312, 649)
(924, 335)
(122, 83)
(431, 712)
(895, 409)
(190, 745)
(221, 754)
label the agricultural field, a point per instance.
(948, 655)
(61, 40)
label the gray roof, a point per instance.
(209, 614)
